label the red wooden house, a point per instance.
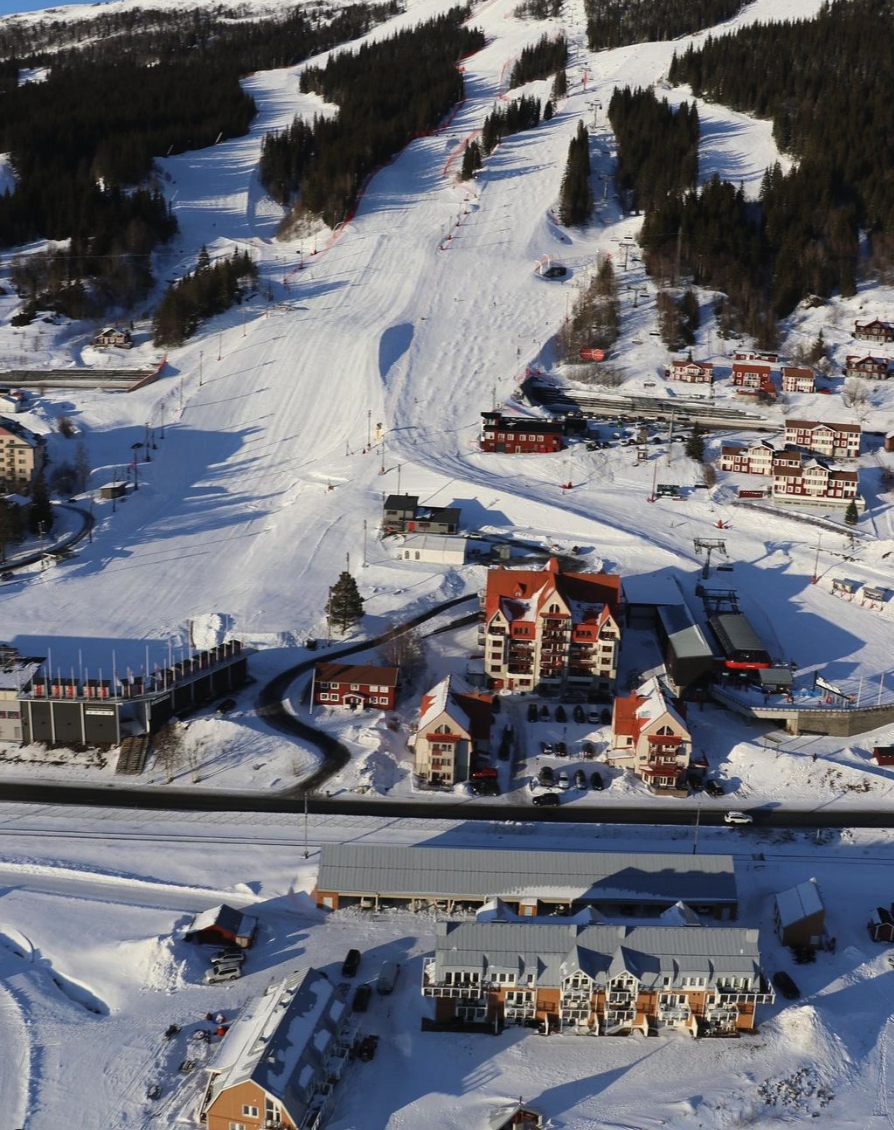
(222, 926)
(875, 368)
(753, 377)
(876, 330)
(520, 435)
(341, 684)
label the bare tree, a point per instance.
(406, 652)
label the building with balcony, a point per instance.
(872, 368)
(823, 437)
(755, 459)
(814, 481)
(627, 884)
(454, 725)
(798, 379)
(282, 1058)
(602, 980)
(691, 372)
(876, 330)
(548, 630)
(650, 737)
(752, 375)
(22, 455)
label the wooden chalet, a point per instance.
(520, 435)
(361, 686)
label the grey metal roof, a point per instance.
(649, 953)
(560, 876)
(688, 639)
(282, 1041)
(734, 627)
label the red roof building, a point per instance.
(876, 330)
(834, 440)
(691, 372)
(651, 737)
(551, 630)
(874, 368)
(340, 684)
(520, 435)
(454, 726)
(797, 379)
(753, 376)
(814, 480)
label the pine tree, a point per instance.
(345, 605)
(695, 445)
(471, 161)
(852, 514)
(576, 196)
(41, 513)
(81, 466)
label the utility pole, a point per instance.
(369, 417)
(698, 814)
(815, 578)
(306, 849)
(364, 541)
(382, 468)
(202, 368)
(161, 434)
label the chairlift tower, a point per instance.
(707, 546)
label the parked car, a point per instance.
(588, 751)
(546, 748)
(486, 787)
(596, 781)
(154, 1091)
(606, 716)
(561, 714)
(226, 956)
(786, 986)
(219, 973)
(737, 818)
(563, 782)
(533, 712)
(580, 780)
(579, 714)
(561, 749)
(351, 964)
(713, 788)
(593, 716)
(362, 995)
(387, 977)
(546, 800)
(366, 1049)
(544, 713)
(486, 772)
(546, 775)
(311, 644)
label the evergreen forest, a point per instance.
(657, 146)
(150, 84)
(388, 93)
(209, 290)
(540, 60)
(617, 23)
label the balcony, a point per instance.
(520, 1011)
(675, 1014)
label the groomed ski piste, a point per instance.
(253, 502)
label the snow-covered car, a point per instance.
(737, 818)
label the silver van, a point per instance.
(387, 978)
(218, 973)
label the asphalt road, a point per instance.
(196, 800)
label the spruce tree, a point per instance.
(576, 196)
(851, 515)
(41, 513)
(471, 161)
(695, 445)
(345, 605)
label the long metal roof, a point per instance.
(734, 631)
(686, 636)
(553, 952)
(560, 876)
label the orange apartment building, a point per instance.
(454, 725)
(597, 979)
(549, 630)
(650, 737)
(278, 1066)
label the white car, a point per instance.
(563, 782)
(737, 818)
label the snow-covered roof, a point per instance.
(798, 903)
(277, 1041)
(559, 876)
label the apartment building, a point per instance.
(754, 459)
(650, 737)
(603, 980)
(691, 372)
(545, 629)
(824, 437)
(453, 726)
(814, 480)
(797, 379)
(22, 454)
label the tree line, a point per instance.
(595, 320)
(575, 194)
(828, 85)
(538, 9)
(540, 60)
(657, 146)
(388, 93)
(209, 290)
(160, 83)
(512, 117)
(616, 23)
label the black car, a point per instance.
(533, 713)
(713, 788)
(579, 715)
(351, 964)
(546, 800)
(544, 713)
(596, 781)
(485, 787)
(786, 986)
(546, 775)
(588, 751)
(561, 749)
(362, 995)
(561, 714)
(580, 779)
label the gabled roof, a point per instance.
(820, 425)
(685, 362)
(520, 594)
(363, 674)
(224, 917)
(281, 1041)
(401, 502)
(634, 712)
(472, 713)
(799, 902)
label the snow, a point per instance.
(253, 500)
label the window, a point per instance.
(237, 1126)
(355, 686)
(250, 1111)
